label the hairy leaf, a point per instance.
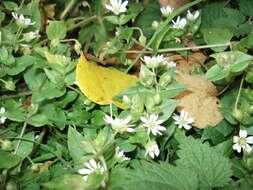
(161, 176)
(212, 168)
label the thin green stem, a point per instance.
(43, 145)
(76, 90)
(82, 23)
(69, 6)
(111, 109)
(239, 93)
(181, 49)
(21, 136)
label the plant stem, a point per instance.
(21, 136)
(239, 93)
(68, 8)
(6, 97)
(161, 28)
(181, 49)
(82, 23)
(74, 89)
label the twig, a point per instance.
(76, 90)
(224, 89)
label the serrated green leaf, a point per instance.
(163, 176)
(246, 7)
(212, 168)
(56, 30)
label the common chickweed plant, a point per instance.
(188, 120)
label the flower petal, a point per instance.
(243, 133)
(237, 147)
(249, 139)
(85, 171)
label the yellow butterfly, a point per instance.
(100, 84)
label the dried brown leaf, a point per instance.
(200, 100)
(190, 63)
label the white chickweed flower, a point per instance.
(183, 120)
(166, 10)
(120, 155)
(30, 36)
(117, 7)
(120, 125)
(2, 117)
(170, 64)
(152, 149)
(180, 23)
(91, 167)
(152, 123)
(242, 142)
(155, 61)
(126, 100)
(192, 17)
(22, 21)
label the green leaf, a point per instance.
(167, 108)
(246, 7)
(211, 13)
(172, 90)
(66, 182)
(56, 30)
(245, 43)
(38, 120)
(20, 64)
(74, 145)
(153, 176)
(10, 5)
(217, 36)
(212, 168)
(112, 19)
(147, 16)
(8, 160)
(216, 72)
(25, 147)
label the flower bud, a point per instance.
(6, 145)
(165, 80)
(142, 40)
(147, 81)
(155, 24)
(9, 85)
(11, 185)
(77, 47)
(157, 99)
(33, 109)
(237, 114)
(126, 100)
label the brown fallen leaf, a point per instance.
(173, 3)
(199, 100)
(190, 63)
